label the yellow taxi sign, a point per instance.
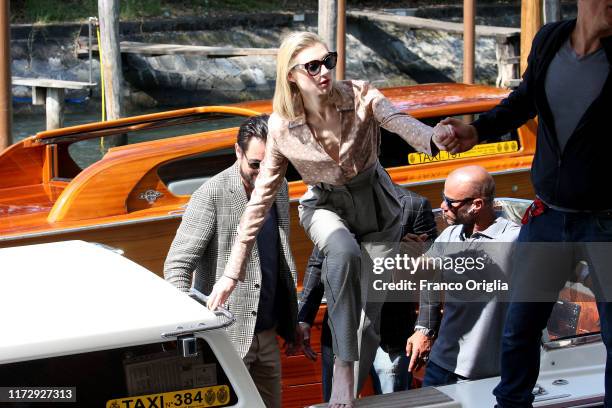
(216, 396)
(486, 149)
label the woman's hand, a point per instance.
(221, 291)
(443, 136)
(455, 136)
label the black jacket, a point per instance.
(567, 178)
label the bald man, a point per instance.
(468, 342)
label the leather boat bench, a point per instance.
(186, 186)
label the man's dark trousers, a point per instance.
(436, 375)
(526, 320)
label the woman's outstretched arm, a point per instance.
(269, 180)
(422, 137)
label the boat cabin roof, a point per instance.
(72, 296)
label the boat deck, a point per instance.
(27, 206)
(24, 210)
(15, 201)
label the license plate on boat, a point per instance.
(216, 396)
(486, 149)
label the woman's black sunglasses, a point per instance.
(314, 67)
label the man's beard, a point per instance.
(463, 219)
(248, 179)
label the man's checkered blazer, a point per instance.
(202, 247)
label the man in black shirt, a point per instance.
(568, 85)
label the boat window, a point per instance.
(185, 175)
(143, 374)
(396, 152)
(88, 151)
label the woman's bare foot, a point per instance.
(343, 385)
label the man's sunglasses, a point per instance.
(253, 164)
(450, 201)
(313, 67)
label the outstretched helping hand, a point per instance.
(455, 136)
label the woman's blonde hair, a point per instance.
(285, 90)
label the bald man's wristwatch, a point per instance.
(425, 331)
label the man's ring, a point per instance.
(425, 358)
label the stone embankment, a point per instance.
(384, 53)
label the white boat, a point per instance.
(82, 323)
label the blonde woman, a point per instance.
(330, 131)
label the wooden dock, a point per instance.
(130, 47)
(50, 92)
(50, 83)
(507, 39)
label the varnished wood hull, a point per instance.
(147, 242)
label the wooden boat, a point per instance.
(133, 197)
(126, 199)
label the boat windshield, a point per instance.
(91, 149)
(575, 314)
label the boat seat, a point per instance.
(23, 200)
(511, 209)
(186, 186)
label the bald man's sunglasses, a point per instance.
(313, 68)
(450, 201)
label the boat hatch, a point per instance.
(186, 335)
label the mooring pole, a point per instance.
(531, 21)
(552, 11)
(328, 19)
(469, 36)
(110, 53)
(6, 137)
(341, 41)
